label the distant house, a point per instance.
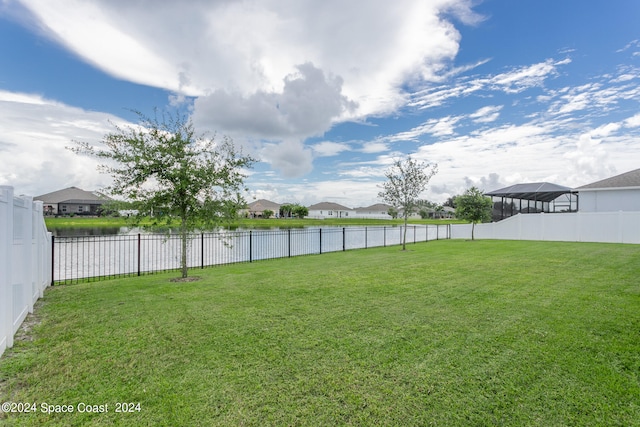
(618, 193)
(256, 208)
(377, 211)
(330, 210)
(72, 200)
(446, 212)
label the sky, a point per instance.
(326, 95)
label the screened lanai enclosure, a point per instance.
(533, 197)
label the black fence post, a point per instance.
(139, 254)
(366, 236)
(344, 238)
(289, 240)
(201, 250)
(384, 236)
(321, 241)
(53, 258)
(250, 246)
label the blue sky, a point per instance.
(326, 95)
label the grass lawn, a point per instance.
(448, 333)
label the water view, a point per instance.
(133, 252)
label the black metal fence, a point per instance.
(103, 257)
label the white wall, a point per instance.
(608, 227)
(25, 261)
(328, 213)
(605, 200)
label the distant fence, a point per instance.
(25, 261)
(604, 227)
(101, 257)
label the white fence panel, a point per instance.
(605, 227)
(25, 261)
(630, 227)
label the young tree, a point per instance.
(406, 179)
(290, 210)
(473, 206)
(286, 210)
(300, 211)
(163, 165)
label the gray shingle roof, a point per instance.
(329, 206)
(542, 191)
(262, 204)
(628, 179)
(71, 195)
(377, 207)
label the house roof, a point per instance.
(378, 207)
(628, 179)
(262, 205)
(329, 206)
(72, 195)
(541, 191)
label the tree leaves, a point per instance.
(168, 171)
(406, 180)
(474, 207)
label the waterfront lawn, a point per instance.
(450, 333)
(67, 223)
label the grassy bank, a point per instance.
(107, 222)
(447, 333)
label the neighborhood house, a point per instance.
(72, 200)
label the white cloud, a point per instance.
(249, 47)
(290, 157)
(513, 81)
(486, 114)
(522, 78)
(605, 130)
(329, 149)
(35, 134)
(373, 147)
(633, 122)
(443, 126)
(307, 106)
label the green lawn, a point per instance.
(448, 333)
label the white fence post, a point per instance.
(6, 289)
(27, 272)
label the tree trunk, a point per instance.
(404, 236)
(473, 226)
(183, 255)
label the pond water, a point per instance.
(132, 252)
(88, 231)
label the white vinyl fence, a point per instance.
(605, 227)
(25, 261)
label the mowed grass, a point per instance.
(447, 333)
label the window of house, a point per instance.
(80, 208)
(64, 208)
